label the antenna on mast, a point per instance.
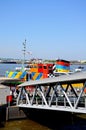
(24, 52)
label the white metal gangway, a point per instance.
(56, 93)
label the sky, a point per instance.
(52, 28)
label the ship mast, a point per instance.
(24, 52)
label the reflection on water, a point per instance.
(24, 124)
(50, 120)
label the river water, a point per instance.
(60, 121)
(46, 120)
(24, 124)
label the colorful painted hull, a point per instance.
(62, 66)
(15, 74)
(63, 62)
(37, 76)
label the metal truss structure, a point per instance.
(56, 93)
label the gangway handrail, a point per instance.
(78, 77)
(55, 87)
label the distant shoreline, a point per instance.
(13, 62)
(8, 62)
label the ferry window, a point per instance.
(31, 66)
(40, 67)
(50, 67)
(35, 66)
(45, 67)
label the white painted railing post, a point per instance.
(56, 101)
(85, 101)
(64, 102)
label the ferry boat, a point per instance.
(79, 69)
(37, 71)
